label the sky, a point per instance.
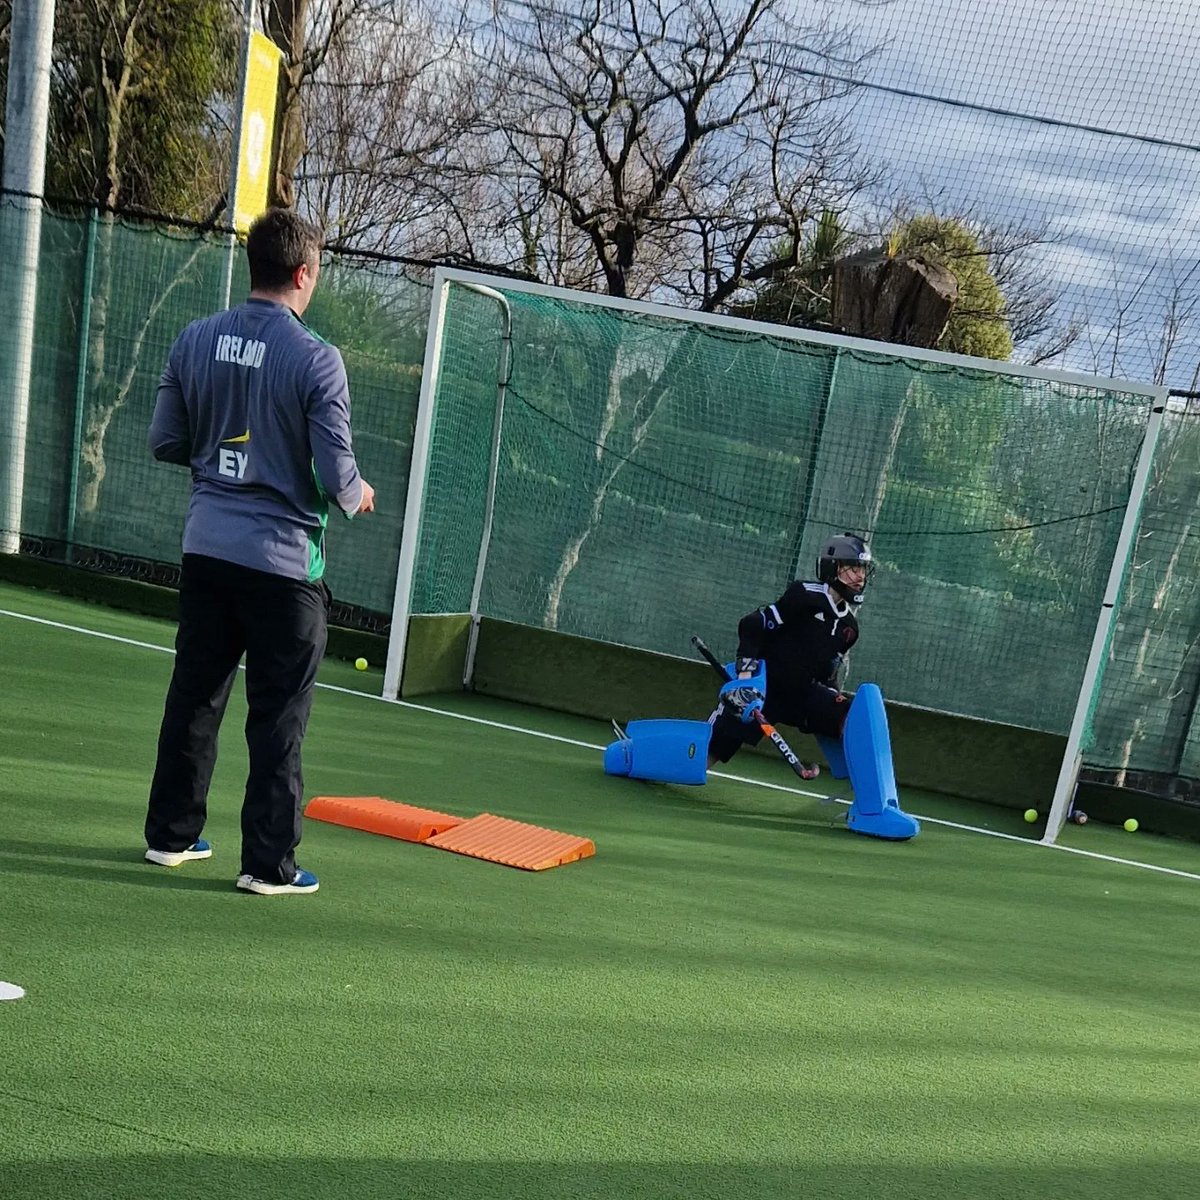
(1124, 214)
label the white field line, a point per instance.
(566, 741)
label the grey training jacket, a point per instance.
(257, 405)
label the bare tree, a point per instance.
(682, 148)
(618, 145)
(382, 118)
(1177, 324)
(306, 32)
(1032, 301)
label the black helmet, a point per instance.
(838, 549)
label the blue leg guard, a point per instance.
(664, 751)
(867, 747)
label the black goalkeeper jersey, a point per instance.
(800, 637)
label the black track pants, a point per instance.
(226, 610)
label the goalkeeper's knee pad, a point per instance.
(664, 751)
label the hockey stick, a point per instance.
(806, 773)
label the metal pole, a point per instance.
(25, 122)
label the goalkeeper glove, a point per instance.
(743, 698)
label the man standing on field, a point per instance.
(258, 407)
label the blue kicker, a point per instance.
(666, 751)
(866, 751)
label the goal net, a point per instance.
(634, 474)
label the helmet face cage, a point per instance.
(841, 550)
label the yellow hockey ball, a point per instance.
(1031, 815)
(1131, 825)
(360, 664)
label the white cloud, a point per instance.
(1072, 266)
(1148, 240)
(1129, 65)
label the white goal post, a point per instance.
(1068, 775)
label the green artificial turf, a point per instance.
(734, 998)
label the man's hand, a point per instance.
(367, 503)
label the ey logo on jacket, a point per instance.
(232, 463)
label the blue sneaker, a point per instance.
(175, 858)
(302, 883)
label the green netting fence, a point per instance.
(658, 478)
(1146, 731)
(112, 295)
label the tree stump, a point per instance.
(903, 299)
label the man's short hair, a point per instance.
(278, 242)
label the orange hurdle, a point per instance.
(513, 843)
(374, 814)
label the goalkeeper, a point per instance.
(790, 654)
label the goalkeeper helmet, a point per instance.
(843, 550)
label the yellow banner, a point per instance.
(259, 102)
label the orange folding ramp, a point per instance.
(374, 814)
(513, 843)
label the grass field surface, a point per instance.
(734, 998)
